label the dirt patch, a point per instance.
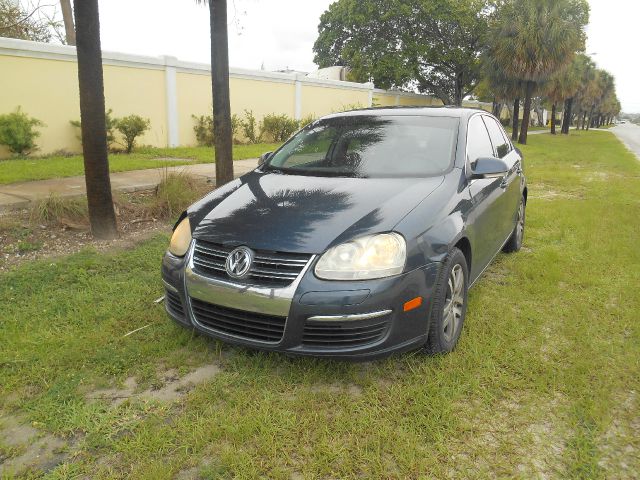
(532, 433)
(170, 388)
(29, 448)
(619, 446)
(550, 194)
(22, 241)
(337, 388)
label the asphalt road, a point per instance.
(629, 134)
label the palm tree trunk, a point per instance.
(526, 116)
(220, 90)
(516, 119)
(67, 17)
(553, 119)
(584, 119)
(92, 115)
(566, 116)
(590, 118)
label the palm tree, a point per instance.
(503, 89)
(92, 114)
(560, 88)
(222, 132)
(533, 39)
(573, 81)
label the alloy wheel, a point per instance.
(454, 303)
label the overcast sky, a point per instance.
(280, 34)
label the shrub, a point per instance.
(132, 127)
(250, 127)
(303, 122)
(236, 124)
(110, 124)
(17, 131)
(279, 127)
(175, 192)
(348, 107)
(57, 210)
(204, 130)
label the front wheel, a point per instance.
(449, 304)
(514, 243)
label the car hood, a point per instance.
(305, 214)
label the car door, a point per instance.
(485, 222)
(511, 183)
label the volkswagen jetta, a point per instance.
(359, 237)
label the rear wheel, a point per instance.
(515, 240)
(449, 304)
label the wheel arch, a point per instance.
(464, 245)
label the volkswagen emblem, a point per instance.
(239, 262)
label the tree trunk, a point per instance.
(220, 90)
(584, 119)
(566, 117)
(92, 115)
(67, 16)
(516, 119)
(590, 118)
(458, 93)
(553, 119)
(526, 116)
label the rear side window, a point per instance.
(500, 143)
(478, 143)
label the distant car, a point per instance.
(357, 238)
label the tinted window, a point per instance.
(500, 144)
(371, 146)
(478, 143)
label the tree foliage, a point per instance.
(431, 45)
(18, 22)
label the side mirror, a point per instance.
(519, 152)
(264, 157)
(488, 167)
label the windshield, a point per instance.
(370, 146)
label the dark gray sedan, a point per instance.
(358, 238)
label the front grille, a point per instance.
(346, 334)
(249, 325)
(269, 269)
(173, 303)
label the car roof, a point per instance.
(436, 111)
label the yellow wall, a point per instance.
(46, 90)
(320, 100)
(43, 80)
(384, 100)
(138, 91)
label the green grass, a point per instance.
(27, 169)
(544, 382)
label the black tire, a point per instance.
(514, 243)
(440, 340)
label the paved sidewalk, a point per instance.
(20, 195)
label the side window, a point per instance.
(478, 143)
(501, 145)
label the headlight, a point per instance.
(373, 256)
(181, 238)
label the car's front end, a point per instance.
(296, 312)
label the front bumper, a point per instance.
(356, 320)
